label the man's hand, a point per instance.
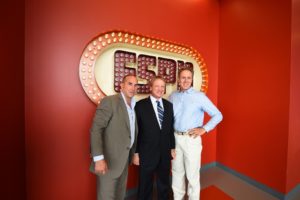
(195, 132)
(173, 153)
(136, 159)
(101, 167)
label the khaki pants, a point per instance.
(187, 163)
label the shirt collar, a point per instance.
(132, 103)
(153, 99)
(188, 91)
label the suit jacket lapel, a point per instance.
(124, 111)
(153, 111)
(165, 112)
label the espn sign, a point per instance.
(143, 67)
(112, 55)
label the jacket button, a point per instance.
(128, 148)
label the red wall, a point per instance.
(12, 148)
(253, 90)
(58, 113)
(293, 164)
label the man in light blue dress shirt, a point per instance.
(189, 108)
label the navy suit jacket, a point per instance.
(154, 144)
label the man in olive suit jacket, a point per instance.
(113, 141)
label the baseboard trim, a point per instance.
(252, 181)
(265, 188)
(208, 166)
(261, 186)
(295, 191)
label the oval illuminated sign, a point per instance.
(112, 55)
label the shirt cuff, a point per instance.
(97, 158)
(205, 128)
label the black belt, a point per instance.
(182, 133)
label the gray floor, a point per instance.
(232, 185)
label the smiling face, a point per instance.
(157, 88)
(185, 79)
(129, 86)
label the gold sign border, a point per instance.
(97, 45)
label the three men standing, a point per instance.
(161, 126)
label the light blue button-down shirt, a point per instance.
(189, 107)
(131, 115)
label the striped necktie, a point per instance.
(160, 113)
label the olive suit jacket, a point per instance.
(110, 135)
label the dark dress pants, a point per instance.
(161, 171)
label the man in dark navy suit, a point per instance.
(155, 143)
